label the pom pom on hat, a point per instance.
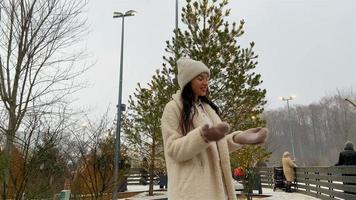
(188, 69)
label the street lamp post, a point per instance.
(287, 99)
(176, 16)
(176, 30)
(120, 106)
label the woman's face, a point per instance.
(200, 84)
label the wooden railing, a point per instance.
(333, 182)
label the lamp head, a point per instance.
(130, 13)
(117, 14)
(127, 14)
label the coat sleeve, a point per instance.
(232, 145)
(179, 147)
(341, 159)
(291, 163)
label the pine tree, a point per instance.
(142, 125)
(46, 170)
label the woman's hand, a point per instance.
(216, 132)
(252, 136)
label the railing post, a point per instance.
(271, 177)
(306, 178)
(316, 185)
(330, 181)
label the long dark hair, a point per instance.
(186, 121)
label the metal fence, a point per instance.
(335, 182)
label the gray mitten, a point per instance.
(216, 132)
(252, 136)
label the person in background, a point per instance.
(348, 157)
(196, 142)
(288, 170)
(163, 180)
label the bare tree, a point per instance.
(36, 67)
(94, 158)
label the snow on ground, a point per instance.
(277, 195)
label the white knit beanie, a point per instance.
(188, 69)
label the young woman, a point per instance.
(196, 141)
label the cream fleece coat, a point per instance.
(288, 167)
(196, 170)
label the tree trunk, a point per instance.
(10, 135)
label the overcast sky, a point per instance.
(306, 47)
